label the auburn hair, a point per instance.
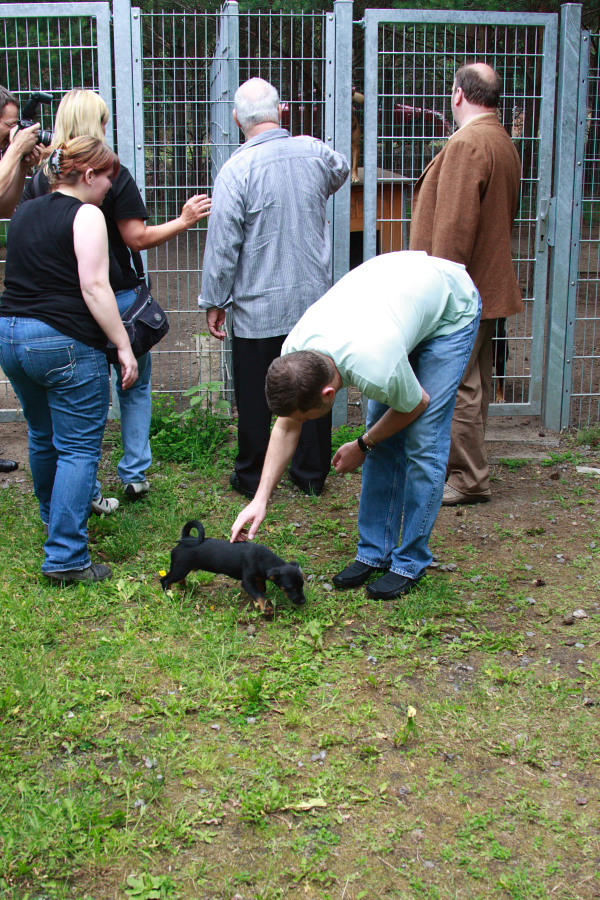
(68, 161)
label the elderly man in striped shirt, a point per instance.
(268, 256)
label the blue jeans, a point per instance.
(64, 388)
(136, 413)
(403, 477)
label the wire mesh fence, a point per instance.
(585, 393)
(179, 105)
(416, 66)
(53, 52)
(186, 96)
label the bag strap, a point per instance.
(36, 185)
(138, 264)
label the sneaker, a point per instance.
(454, 497)
(94, 572)
(136, 489)
(8, 465)
(104, 505)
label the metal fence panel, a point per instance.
(184, 69)
(584, 406)
(410, 60)
(52, 47)
(189, 70)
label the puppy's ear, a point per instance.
(273, 574)
(297, 564)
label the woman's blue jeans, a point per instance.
(135, 406)
(64, 388)
(403, 477)
(136, 411)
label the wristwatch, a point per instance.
(362, 443)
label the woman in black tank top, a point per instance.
(56, 314)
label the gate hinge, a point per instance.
(546, 223)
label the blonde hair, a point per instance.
(80, 112)
(68, 161)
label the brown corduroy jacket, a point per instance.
(465, 204)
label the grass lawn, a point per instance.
(181, 745)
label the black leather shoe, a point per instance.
(308, 488)
(354, 575)
(234, 481)
(8, 465)
(93, 573)
(391, 586)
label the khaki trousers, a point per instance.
(468, 468)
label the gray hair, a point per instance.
(256, 101)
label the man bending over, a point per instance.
(400, 328)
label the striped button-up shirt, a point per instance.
(268, 248)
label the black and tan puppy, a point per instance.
(252, 564)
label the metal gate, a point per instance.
(410, 60)
(191, 65)
(174, 78)
(53, 47)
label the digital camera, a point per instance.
(28, 115)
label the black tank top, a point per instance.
(42, 277)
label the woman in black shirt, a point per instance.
(85, 112)
(57, 311)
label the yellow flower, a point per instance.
(162, 573)
(411, 712)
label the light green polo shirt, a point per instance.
(371, 320)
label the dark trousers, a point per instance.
(312, 460)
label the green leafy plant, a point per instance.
(344, 434)
(513, 464)
(149, 887)
(408, 728)
(193, 434)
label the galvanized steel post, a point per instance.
(566, 210)
(338, 134)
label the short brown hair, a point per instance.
(295, 382)
(6, 97)
(72, 159)
(478, 89)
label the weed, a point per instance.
(514, 463)
(408, 729)
(556, 459)
(192, 435)
(150, 887)
(344, 434)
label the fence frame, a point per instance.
(559, 196)
(566, 209)
(549, 22)
(86, 9)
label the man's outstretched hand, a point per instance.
(254, 513)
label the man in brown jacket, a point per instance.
(465, 203)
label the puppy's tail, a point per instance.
(187, 528)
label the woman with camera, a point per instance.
(85, 112)
(57, 311)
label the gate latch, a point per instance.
(546, 224)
